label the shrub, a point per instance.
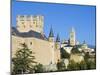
(39, 68)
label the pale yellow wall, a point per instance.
(57, 52)
(39, 22)
(16, 44)
(44, 50)
(76, 58)
(51, 39)
(26, 23)
(57, 56)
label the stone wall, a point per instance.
(44, 50)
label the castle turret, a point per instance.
(52, 45)
(57, 49)
(58, 42)
(72, 37)
(51, 35)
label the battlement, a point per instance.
(26, 23)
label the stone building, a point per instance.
(29, 30)
(72, 37)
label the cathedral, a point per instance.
(29, 30)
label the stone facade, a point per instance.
(30, 33)
(26, 23)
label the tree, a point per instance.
(83, 65)
(73, 66)
(77, 66)
(61, 66)
(39, 68)
(64, 54)
(23, 60)
(75, 50)
(87, 56)
(91, 65)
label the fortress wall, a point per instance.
(42, 48)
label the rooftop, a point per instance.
(31, 33)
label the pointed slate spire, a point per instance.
(58, 38)
(51, 32)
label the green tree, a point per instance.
(87, 56)
(77, 66)
(73, 66)
(23, 60)
(64, 54)
(91, 65)
(75, 50)
(82, 65)
(61, 66)
(39, 68)
(88, 59)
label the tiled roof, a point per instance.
(58, 38)
(31, 33)
(51, 33)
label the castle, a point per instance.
(29, 30)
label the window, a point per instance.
(22, 22)
(30, 43)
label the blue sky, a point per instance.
(62, 17)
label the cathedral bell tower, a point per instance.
(72, 37)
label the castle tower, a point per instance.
(51, 35)
(57, 49)
(58, 42)
(72, 37)
(26, 23)
(52, 45)
(21, 23)
(38, 22)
